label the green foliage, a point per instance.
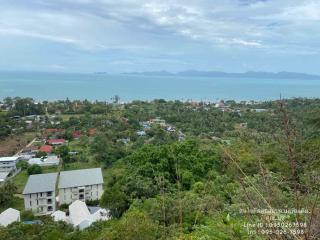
(157, 187)
(134, 225)
(34, 169)
(115, 200)
(23, 165)
(7, 191)
(27, 215)
(41, 154)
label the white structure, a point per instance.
(39, 193)
(59, 216)
(80, 216)
(51, 160)
(85, 184)
(8, 164)
(3, 176)
(9, 216)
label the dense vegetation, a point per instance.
(196, 182)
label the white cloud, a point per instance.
(24, 33)
(163, 28)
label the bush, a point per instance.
(23, 165)
(27, 216)
(34, 169)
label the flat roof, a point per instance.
(8, 159)
(83, 177)
(41, 183)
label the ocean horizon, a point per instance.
(102, 87)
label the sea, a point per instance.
(103, 87)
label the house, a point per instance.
(50, 131)
(124, 140)
(9, 216)
(39, 193)
(92, 132)
(85, 184)
(146, 125)
(59, 216)
(141, 133)
(259, 110)
(158, 121)
(220, 104)
(56, 142)
(80, 215)
(8, 164)
(241, 125)
(170, 128)
(76, 134)
(46, 148)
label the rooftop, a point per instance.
(46, 148)
(81, 177)
(56, 141)
(9, 216)
(41, 183)
(8, 159)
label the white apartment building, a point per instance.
(39, 193)
(8, 164)
(83, 185)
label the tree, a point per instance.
(115, 200)
(63, 153)
(23, 165)
(34, 169)
(7, 191)
(134, 225)
(41, 154)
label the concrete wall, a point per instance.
(83, 193)
(7, 166)
(39, 203)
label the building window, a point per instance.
(41, 194)
(49, 194)
(81, 190)
(49, 201)
(50, 208)
(81, 196)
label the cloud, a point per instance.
(166, 29)
(20, 32)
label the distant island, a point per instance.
(251, 74)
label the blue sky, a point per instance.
(173, 35)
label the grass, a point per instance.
(20, 180)
(80, 165)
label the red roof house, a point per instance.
(46, 148)
(56, 141)
(92, 131)
(76, 134)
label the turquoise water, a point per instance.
(54, 86)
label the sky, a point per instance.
(174, 35)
